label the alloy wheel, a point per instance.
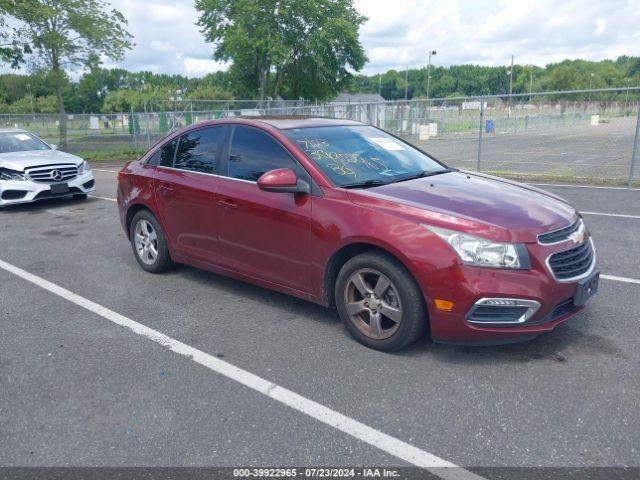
(146, 241)
(373, 304)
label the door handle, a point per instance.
(227, 203)
(166, 191)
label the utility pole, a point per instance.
(634, 153)
(431, 52)
(510, 86)
(530, 82)
(31, 100)
(626, 99)
(406, 82)
(590, 84)
(379, 85)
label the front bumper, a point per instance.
(13, 192)
(466, 287)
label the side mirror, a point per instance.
(283, 180)
(53, 146)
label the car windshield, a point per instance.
(20, 142)
(361, 156)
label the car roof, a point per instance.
(12, 130)
(287, 122)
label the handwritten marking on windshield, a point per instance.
(340, 162)
(313, 143)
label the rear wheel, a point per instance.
(148, 242)
(379, 302)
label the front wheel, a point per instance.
(148, 242)
(379, 302)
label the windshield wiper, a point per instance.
(377, 183)
(366, 184)
(422, 174)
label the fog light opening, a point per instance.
(502, 311)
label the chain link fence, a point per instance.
(591, 135)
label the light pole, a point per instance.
(590, 84)
(431, 52)
(530, 82)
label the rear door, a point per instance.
(185, 186)
(265, 235)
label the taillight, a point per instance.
(121, 175)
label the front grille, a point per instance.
(572, 263)
(560, 235)
(46, 173)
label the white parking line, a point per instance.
(583, 186)
(356, 429)
(621, 215)
(620, 279)
(104, 198)
(103, 170)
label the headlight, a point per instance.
(83, 168)
(6, 174)
(479, 252)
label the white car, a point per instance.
(31, 170)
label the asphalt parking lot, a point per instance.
(78, 389)
(578, 150)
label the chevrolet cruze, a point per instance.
(32, 170)
(348, 216)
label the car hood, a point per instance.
(464, 200)
(36, 158)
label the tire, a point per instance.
(80, 196)
(154, 239)
(398, 309)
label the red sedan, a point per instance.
(348, 216)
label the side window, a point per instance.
(154, 159)
(197, 150)
(166, 153)
(254, 152)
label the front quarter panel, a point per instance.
(337, 222)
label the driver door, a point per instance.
(265, 235)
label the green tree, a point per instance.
(12, 47)
(285, 47)
(68, 33)
(566, 77)
(118, 101)
(209, 92)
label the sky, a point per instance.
(399, 33)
